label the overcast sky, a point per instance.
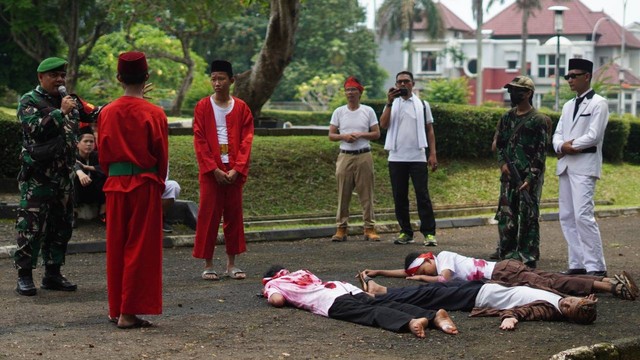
(462, 8)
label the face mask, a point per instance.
(516, 97)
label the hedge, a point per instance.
(10, 145)
(462, 131)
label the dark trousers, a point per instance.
(399, 173)
(451, 296)
(365, 310)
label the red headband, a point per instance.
(352, 82)
(415, 265)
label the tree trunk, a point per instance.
(479, 13)
(410, 45)
(255, 86)
(187, 80)
(72, 34)
(525, 36)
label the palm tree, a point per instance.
(527, 7)
(396, 17)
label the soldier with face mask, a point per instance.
(521, 140)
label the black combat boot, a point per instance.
(25, 286)
(53, 280)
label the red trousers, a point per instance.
(218, 201)
(134, 250)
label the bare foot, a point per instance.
(417, 326)
(376, 289)
(443, 322)
(128, 321)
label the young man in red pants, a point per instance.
(222, 136)
(134, 153)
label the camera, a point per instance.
(403, 92)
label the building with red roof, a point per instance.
(586, 34)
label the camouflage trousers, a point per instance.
(518, 224)
(44, 222)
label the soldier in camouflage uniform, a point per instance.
(49, 125)
(521, 140)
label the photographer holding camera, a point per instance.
(410, 138)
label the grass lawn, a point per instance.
(294, 175)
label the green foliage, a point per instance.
(453, 91)
(632, 150)
(165, 74)
(320, 91)
(332, 39)
(615, 139)
(10, 145)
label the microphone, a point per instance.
(63, 92)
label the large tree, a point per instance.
(396, 18)
(337, 42)
(255, 86)
(41, 28)
(182, 20)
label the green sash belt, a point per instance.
(128, 168)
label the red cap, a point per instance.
(353, 82)
(132, 63)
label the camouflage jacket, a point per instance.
(42, 120)
(527, 148)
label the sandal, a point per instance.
(235, 273)
(364, 281)
(139, 323)
(626, 279)
(210, 274)
(620, 290)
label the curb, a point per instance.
(626, 348)
(316, 232)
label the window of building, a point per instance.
(603, 60)
(512, 57)
(428, 61)
(547, 65)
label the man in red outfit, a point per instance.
(222, 136)
(134, 153)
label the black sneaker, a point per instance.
(166, 227)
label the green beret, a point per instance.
(51, 63)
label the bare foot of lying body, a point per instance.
(418, 326)
(375, 289)
(443, 322)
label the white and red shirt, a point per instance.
(304, 290)
(463, 267)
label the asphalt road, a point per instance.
(225, 319)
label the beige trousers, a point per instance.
(355, 172)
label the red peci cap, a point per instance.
(132, 63)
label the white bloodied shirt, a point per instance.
(304, 290)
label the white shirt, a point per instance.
(463, 267)
(360, 120)
(304, 290)
(407, 147)
(220, 114)
(500, 297)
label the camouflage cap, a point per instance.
(522, 82)
(50, 64)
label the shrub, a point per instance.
(10, 145)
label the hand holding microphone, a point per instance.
(68, 103)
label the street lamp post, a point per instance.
(621, 71)
(557, 24)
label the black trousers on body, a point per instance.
(365, 310)
(451, 296)
(399, 173)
